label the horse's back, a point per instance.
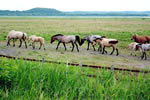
(109, 42)
(16, 34)
(93, 37)
(146, 46)
(69, 38)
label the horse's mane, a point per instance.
(98, 39)
(57, 35)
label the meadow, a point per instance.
(118, 28)
(43, 81)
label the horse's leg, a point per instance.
(20, 43)
(8, 42)
(33, 45)
(40, 45)
(88, 45)
(44, 47)
(93, 47)
(142, 55)
(145, 56)
(112, 50)
(77, 46)
(99, 48)
(103, 50)
(64, 46)
(13, 42)
(117, 52)
(72, 46)
(25, 42)
(58, 45)
(135, 53)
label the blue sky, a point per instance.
(78, 5)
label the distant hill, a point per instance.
(33, 12)
(54, 12)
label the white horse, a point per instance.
(16, 35)
(105, 42)
(90, 39)
(132, 46)
(66, 39)
(144, 48)
(34, 39)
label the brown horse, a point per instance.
(140, 39)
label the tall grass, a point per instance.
(32, 81)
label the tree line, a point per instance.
(54, 12)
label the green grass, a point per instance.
(118, 28)
(32, 80)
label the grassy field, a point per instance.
(119, 28)
(42, 81)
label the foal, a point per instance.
(90, 39)
(36, 39)
(16, 35)
(66, 39)
(133, 46)
(104, 42)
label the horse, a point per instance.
(140, 39)
(90, 39)
(16, 35)
(132, 46)
(144, 48)
(66, 39)
(34, 39)
(105, 42)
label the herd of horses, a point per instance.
(140, 42)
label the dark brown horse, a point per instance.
(140, 39)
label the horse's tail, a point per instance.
(148, 39)
(82, 41)
(24, 36)
(78, 39)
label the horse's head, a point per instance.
(97, 40)
(54, 37)
(133, 37)
(138, 46)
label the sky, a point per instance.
(78, 5)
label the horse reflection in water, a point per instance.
(66, 39)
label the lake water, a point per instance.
(78, 16)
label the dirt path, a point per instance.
(86, 57)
